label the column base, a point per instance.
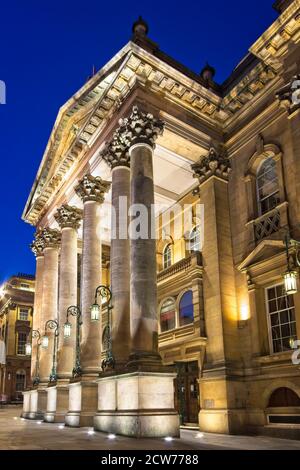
(82, 403)
(137, 404)
(38, 403)
(57, 403)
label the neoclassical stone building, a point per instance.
(197, 325)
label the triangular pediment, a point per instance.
(265, 250)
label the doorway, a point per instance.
(187, 392)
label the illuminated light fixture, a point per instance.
(199, 435)
(39, 422)
(91, 432)
(45, 342)
(22, 419)
(61, 426)
(169, 439)
(2, 291)
(290, 282)
(15, 417)
(67, 329)
(95, 312)
(28, 349)
(111, 436)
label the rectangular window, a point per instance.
(23, 314)
(20, 382)
(22, 338)
(24, 286)
(281, 318)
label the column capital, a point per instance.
(92, 188)
(116, 152)
(141, 127)
(51, 237)
(38, 244)
(289, 95)
(212, 164)
(68, 216)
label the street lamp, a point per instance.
(36, 335)
(75, 312)
(106, 295)
(28, 349)
(291, 275)
(52, 325)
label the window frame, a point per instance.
(179, 298)
(260, 200)
(195, 229)
(175, 314)
(269, 325)
(19, 313)
(168, 246)
(17, 345)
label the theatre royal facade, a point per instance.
(198, 326)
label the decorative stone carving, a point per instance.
(51, 237)
(92, 188)
(289, 95)
(38, 244)
(140, 127)
(68, 216)
(213, 164)
(116, 152)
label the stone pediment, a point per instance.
(264, 251)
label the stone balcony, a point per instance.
(185, 265)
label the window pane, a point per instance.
(267, 186)
(195, 239)
(167, 257)
(22, 338)
(186, 309)
(167, 315)
(282, 318)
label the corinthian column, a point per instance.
(37, 247)
(141, 132)
(117, 157)
(51, 240)
(68, 218)
(91, 190)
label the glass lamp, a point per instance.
(290, 282)
(67, 329)
(95, 312)
(28, 349)
(45, 342)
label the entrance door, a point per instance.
(187, 392)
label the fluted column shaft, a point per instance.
(91, 190)
(68, 219)
(38, 296)
(49, 306)
(120, 266)
(143, 291)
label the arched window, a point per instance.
(167, 315)
(282, 397)
(267, 186)
(195, 242)
(186, 309)
(167, 256)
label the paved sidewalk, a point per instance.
(17, 433)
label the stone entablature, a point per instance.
(92, 188)
(68, 216)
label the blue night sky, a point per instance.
(47, 52)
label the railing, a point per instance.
(182, 265)
(267, 225)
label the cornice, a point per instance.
(273, 44)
